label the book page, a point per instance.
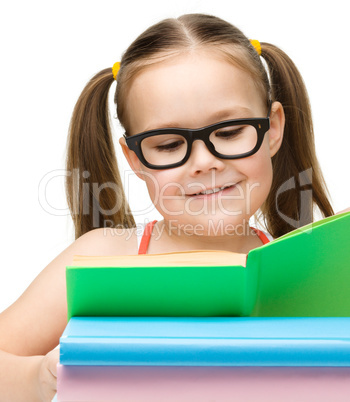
(184, 258)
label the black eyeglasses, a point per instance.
(167, 148)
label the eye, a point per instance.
(170, 147)
(229, 133)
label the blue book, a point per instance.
(206, 341)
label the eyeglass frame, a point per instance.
(261, 124)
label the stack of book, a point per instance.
(205, 359)
(212, 325)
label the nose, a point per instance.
(202, 160)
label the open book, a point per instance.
(304, 273)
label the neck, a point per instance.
(180, 238)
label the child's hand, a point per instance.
(47, 376)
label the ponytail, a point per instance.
(94, 189)
(296, 159)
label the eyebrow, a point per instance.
(235, 113)
(226, 114)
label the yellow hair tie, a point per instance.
(256, 45)
(115, 69)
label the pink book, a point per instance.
(192, 384)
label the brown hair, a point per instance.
(91, 149)
(93, 185)
(296, 159)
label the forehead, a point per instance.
(191, 90)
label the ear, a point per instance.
(132, 159)
(277, 121)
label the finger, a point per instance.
(54, 359)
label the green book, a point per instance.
(305, 273)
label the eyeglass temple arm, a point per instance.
(270, 107)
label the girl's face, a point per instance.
(194, 91)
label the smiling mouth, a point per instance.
(212, 191)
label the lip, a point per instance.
(213, 195)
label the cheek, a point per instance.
(261, 172)
(258, 170)
(162, 186)
(261, 165)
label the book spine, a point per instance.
(204, 352)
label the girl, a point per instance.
(215, 138)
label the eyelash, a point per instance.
(225, 135)
(230, 133)
(170, 147)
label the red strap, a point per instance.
(146, 237)
(262, 236)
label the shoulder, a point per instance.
(109, 241)
(44, 302)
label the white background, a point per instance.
(50, 50)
